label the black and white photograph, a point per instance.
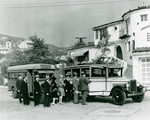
(74, 59)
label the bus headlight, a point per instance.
(138, 84)
(127, 85)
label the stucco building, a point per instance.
(126, 37)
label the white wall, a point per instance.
(141, 38)
(136, 26)
(114, 33)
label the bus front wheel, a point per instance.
(14, 93)
(138, 98)
(118, 96)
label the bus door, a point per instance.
(97, 79)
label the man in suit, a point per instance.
(19, 84)
(67, 89)
(83, 87)
(46, 93)
(37, 91)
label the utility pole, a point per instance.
(81, 38)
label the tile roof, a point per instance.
(107, 24)
(139, 8)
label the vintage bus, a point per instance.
(29, 70)
(108, 80)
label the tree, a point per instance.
(39, 50)
(103, 45)
(2, 56)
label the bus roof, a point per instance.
(31, 66)
(95, 65)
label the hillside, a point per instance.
(57, 51)
(10, 38)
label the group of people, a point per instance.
(61, 88)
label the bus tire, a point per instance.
(118, 96)
(139, 98)
(14, 92)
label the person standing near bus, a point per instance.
(25, 92)
(67, 89)
(83, 86)
(37, 91)
(46, 93)
(61, 88)
(75, 88)
(54, 90)
(19, 88)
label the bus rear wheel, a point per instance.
(118, 96)
(14, 93)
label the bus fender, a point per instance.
(120, 87)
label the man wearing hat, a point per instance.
(19, 85)
(37, 91)
(67, 88)
(83, 87)
(46, 92)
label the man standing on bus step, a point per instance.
(19, 84)
(37, 91)
(83, 87)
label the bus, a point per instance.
(108, 80)
(30, 71)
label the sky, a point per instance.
(59, 22)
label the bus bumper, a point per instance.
(136, 94)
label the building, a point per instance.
(141, 54)
(128, 40)
(84, 54)
(25, 45)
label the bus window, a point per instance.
(42, 75)
(68, 72)
(113, 72)
(9, 76)
(76, 71)
(86, 71)
(98, 72)
(12, 77)
(24, 74)
(16, 76)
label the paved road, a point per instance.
(102, 109)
